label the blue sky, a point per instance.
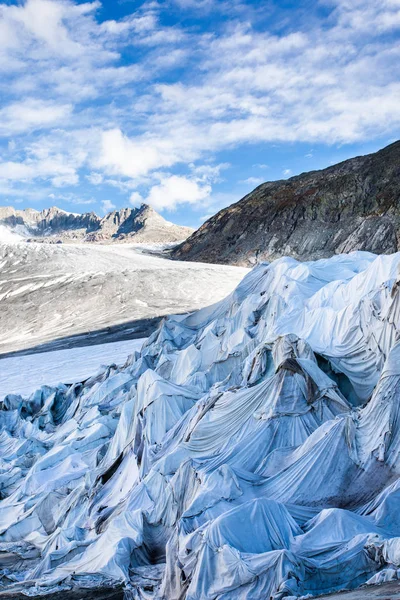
(188, 104)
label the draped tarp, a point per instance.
(250, 450)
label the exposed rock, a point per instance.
(354, 205)
(142, 224)
(48, 222)
(134, 224)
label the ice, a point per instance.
(248, 450)
(50, 293)
(24, 374)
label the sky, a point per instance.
(188, 105)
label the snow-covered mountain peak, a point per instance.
(141, 225)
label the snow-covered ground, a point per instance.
(50, 292)
(24, 374)
(8, 236)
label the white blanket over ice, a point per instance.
(249, 450)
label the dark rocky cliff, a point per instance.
(354, 205)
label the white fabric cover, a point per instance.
(250, 450)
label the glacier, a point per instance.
(249, 450)
(23, 374)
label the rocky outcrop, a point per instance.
(48, 222)
(354, 205)
(141, 224)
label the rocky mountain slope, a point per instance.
(354, 205)
(142, 225)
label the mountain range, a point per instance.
(142, 225)
(249, 449)
(354, 205)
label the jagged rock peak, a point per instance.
(142, 224)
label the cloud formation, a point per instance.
(147, 107)
(107, 206)
(172, 191)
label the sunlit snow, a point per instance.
(54, 291)
(8, 236)
(24, 374)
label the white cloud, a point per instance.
(107, 206)
(136, 199)
(95, 178)
(13, 170)
(67, 178)
(172, 191)
(31, 114)
(252, 181)
(140, 24)
(59, 173)
(49, 25)
(134, 158)
(287, 172)
(209, 173)
(48, 159)
(84, 202)
(77, 108)
(71, 198)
